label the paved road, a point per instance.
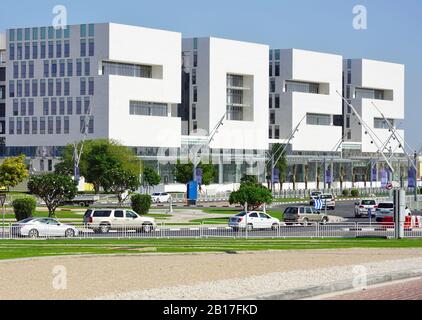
(405, 290)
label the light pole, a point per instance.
(2, 201)
(416, 176)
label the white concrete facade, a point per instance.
(121, 65)
(228, 76)
(382, 83)
(303, 85)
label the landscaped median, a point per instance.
(14, 249)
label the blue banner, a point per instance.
(276, 176)
(199, 176)
(328, 176)
(374, 174)
(384, 178)
(412, 178)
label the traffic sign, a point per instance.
(318, 204)
(389, 186)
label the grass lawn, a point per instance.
(14, 249)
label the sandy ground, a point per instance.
(102, 276)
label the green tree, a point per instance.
(246, 179)
(255, 195)
(281, 164)
(98, 158)
(13, 171)
(141, 203)
(184, 172)
(150, 177)
(121, 182)
(53, 189)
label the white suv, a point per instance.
(363, 206)
(162, 197)
(104, 220)
(253, 220)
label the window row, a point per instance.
(48, 125)
(43, 33)
(274, 101)
(318, 119)
(142, 108)
(42, 125)
(275, 54)
(63, 68)
(274, 132)
(53, 106)
(275, 69)
(42, 50)
(127, 70)
(41, 88)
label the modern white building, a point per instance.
(303, 87)
(106, 80)
(227, 79)
(369, 85)
(2, 91)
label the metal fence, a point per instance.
(309, 231)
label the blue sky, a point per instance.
(393, 34)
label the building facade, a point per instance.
(100, 80)
(2, 91)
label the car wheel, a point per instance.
(324, 220)
(275, 226)
(69, 233)
(305, 221)
(104, 228)
(147, 228)
(249, 227)
(33, 234)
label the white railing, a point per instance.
(201, 231)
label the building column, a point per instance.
(220, 170)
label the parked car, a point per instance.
(253, 220)
(304, 215)
(104, 220)
(328, 201)
(315, 194)
(43, 227)
(384, 209)
(362, 207)
(162, 197)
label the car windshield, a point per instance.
(242, 214)
(368, 202)
(291, 210)
(386, 206)
(156, 194)
(326, 196)
(27, 220)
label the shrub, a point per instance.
(346, 193)
(141, 203)
(24, 208)
(355, 193)
(254, 194)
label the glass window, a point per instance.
(66, 32)
(27, 34)
(54, 68)
(118, 214)
(27, 88)
(43, 32)
(83, 87)
(50, 87)
(305, 87)
(12, 35)
(91, 125)
(66, 49)
(46, 69)
(51, 49)
(45, 106)
(91, 87)
(78, 67)
(27, 50)
(34, 125)
(69, 106)
(53, 106)
(59, 33)
(42, 125)
(87, 109)
(91, 47)
(19, 52)
(12, 51)
(78, 105)
(31, 107)
(277, 54)
(272, 85)
(126, 70)
(83, 125)
(270, 101)
(58, 49)
(318, 119)
(58, 87)
(83, 30)
(18, 125)
(51, 32)
(43, 50)
(23, 69)
(58, 125)
(66, 125)
(277, 132)
(83, 47)
(62, 107)
(26, 125)
(143, 108)
(15, 107)
(50, 125)
(70, 68)
(11, 126)
(380, 123)
(16, 70)
(272, 117)
(66, 87)
(277, 69)
(19, 35)
(62, 68)
(31, 69)
(12, 92)
(87, 67)
(35, 50)
(19, 88)
(34, 34)
(42, 88)
(277, 101)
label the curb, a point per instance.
(314, 291)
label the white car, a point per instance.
(253, 220)
(363, 206)
(162, 197)
(384, 209)
(43, 227)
